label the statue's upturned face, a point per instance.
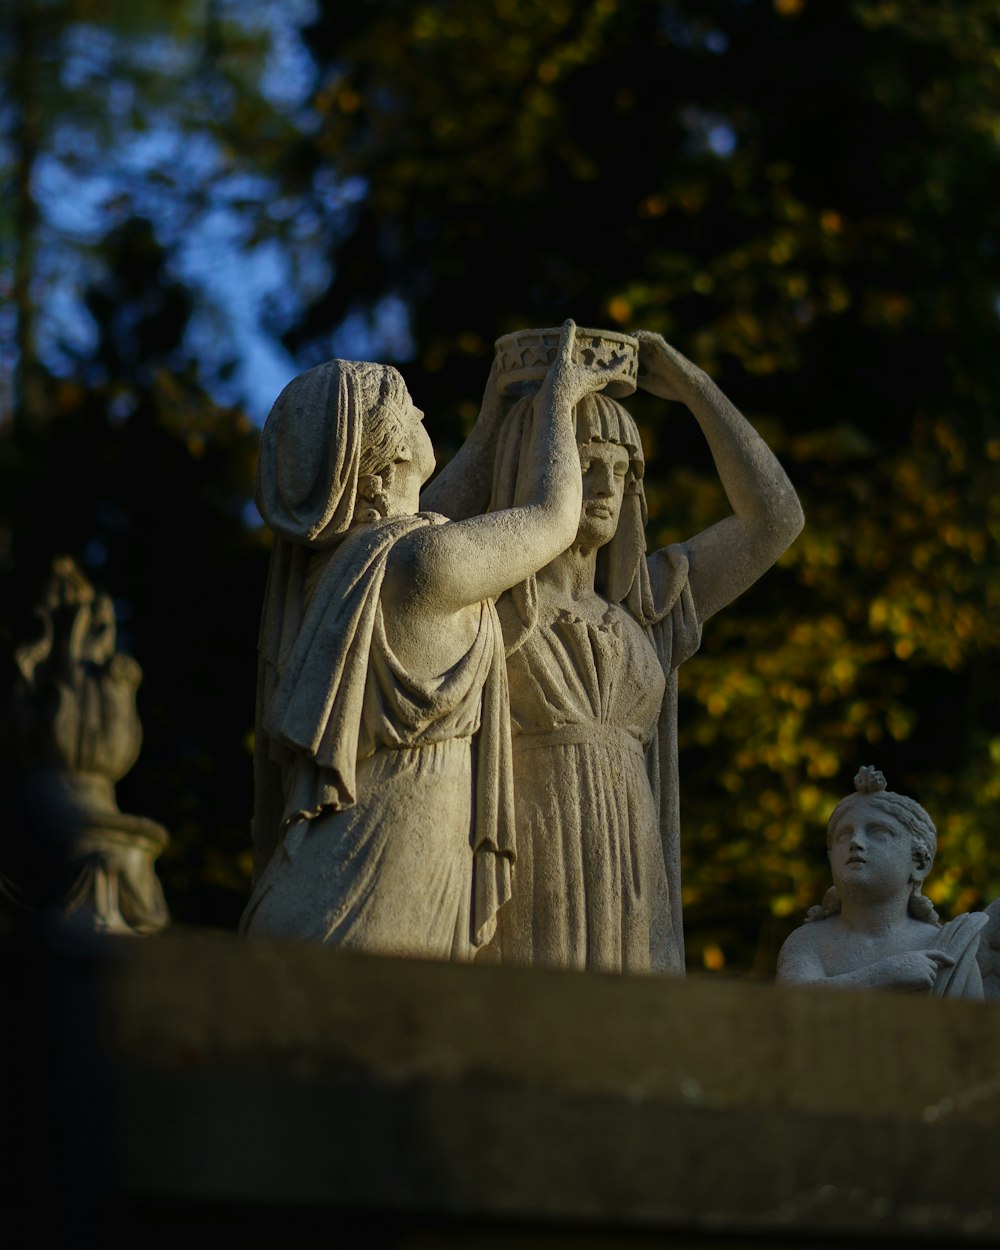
(419, 441)
(871, 853)
(605, 468)
(414, 464)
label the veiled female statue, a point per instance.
(594, 640)
(383, 814)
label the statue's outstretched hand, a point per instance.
(663, 370)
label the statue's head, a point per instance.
(611, 452)
(878, 840)
(612, 464)
(343, 443)
(392, 436)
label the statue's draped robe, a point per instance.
(397, 817)
(594, 719)
(594, 711)
(382, 804)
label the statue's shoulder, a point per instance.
(807, 942)
(801, 958)
(919, 935)
(806, 937)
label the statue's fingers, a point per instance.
(567, 338)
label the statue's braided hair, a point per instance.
(383, 396)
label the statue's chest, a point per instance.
(842, 950)
(577, 667)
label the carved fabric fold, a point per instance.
(307, 473)
(335, 698)
(591, 886)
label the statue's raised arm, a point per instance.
(462, 488)
(731, 555)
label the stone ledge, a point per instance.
(260, 1073)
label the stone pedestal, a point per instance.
(116, 886)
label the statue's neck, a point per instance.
(874, 916)
(570, 575)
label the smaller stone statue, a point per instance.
(875, 928)
(75, 732)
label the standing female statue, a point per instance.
(594, 640)
(382, 763)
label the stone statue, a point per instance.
(383, 815)
(594, 641)
(76, 733)
(875, 928)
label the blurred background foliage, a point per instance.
(209, 196)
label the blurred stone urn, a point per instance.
(76, 732)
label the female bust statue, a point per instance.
(876, 927)
(383, 813)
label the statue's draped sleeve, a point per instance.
(676, 634)
(961, 938)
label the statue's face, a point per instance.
(419, 441)
(871, 853)
(414, 465)
(605, 468)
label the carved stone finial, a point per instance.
(76, 732)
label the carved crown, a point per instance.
(524, 358)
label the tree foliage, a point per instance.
(801, 197)
(142, 109)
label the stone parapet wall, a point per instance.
(291, 1077)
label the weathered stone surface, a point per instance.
(594, 641)
(875, 926)
(386, 815)
(383, 816)
(73, 727)
(288, 1076)
(524, 357)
